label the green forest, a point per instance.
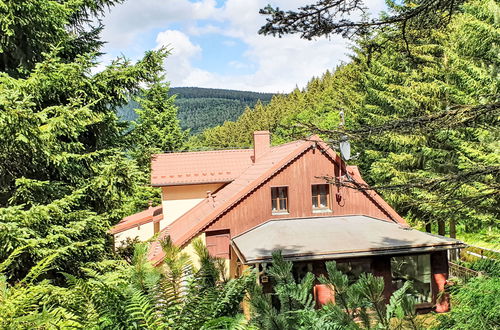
(421, 100)
(202, 108)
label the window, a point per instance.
(354, 269)
(279, 196)
(320, 196)
(415, 268)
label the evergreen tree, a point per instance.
(64, 173)
(30, 28)
(157, 128)
(439, 75)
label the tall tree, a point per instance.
(157, 127)
(63, 167)
(448, 172)
(30, 28)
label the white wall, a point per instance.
(177, 200)
(143, 232)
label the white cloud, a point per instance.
(178, 63)
(125, 23)
(280, 63)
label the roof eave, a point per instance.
(189, 183)
(356, 254)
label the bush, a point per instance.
(474, 306)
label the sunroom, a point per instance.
(358, 244)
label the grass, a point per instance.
(489, 239)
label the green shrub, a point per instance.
(474, 306)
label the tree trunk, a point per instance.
(453, 228)
(454, 254)
(441, 227)
(428, 227)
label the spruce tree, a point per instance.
(436, 78)
(157, 127)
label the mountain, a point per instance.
(201, 108)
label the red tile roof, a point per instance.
(202, 215)
(199, 217)
(199, 167)
(137, 219)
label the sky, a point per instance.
(215, 44)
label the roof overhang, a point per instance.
(191, 183)
(321, 238)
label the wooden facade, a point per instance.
(299, 176)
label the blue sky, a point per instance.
(215, 43)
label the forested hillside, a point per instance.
(422, 113)
(202, 108)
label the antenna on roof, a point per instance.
(342, 118)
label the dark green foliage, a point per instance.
(208, 93)
(30, 28)
(198, 114)
(202, 108)
(475, 306)
(358, 305)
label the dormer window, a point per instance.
(279, 200)
(320, 197)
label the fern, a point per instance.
(142, 311)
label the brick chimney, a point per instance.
(261, 144)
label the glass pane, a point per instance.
(283, 204)
(415, 268)
(353, 269)
(274, 204)
(282, 192)
(274, 193)
(315, 201)
(324, 189)
(322, 201)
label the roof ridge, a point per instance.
(200, 152)
(221, 208)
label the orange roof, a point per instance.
(199, 217)
(199, 167)
(137, 219)
(203, 214)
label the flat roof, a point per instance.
(334, 238)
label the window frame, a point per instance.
(279, 210)
(429, 276)
(320, 209)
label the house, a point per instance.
(244, 204)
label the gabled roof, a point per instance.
(203, 214)
(137, 219)
(181, 168)
(355, 236)
(199, 217)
